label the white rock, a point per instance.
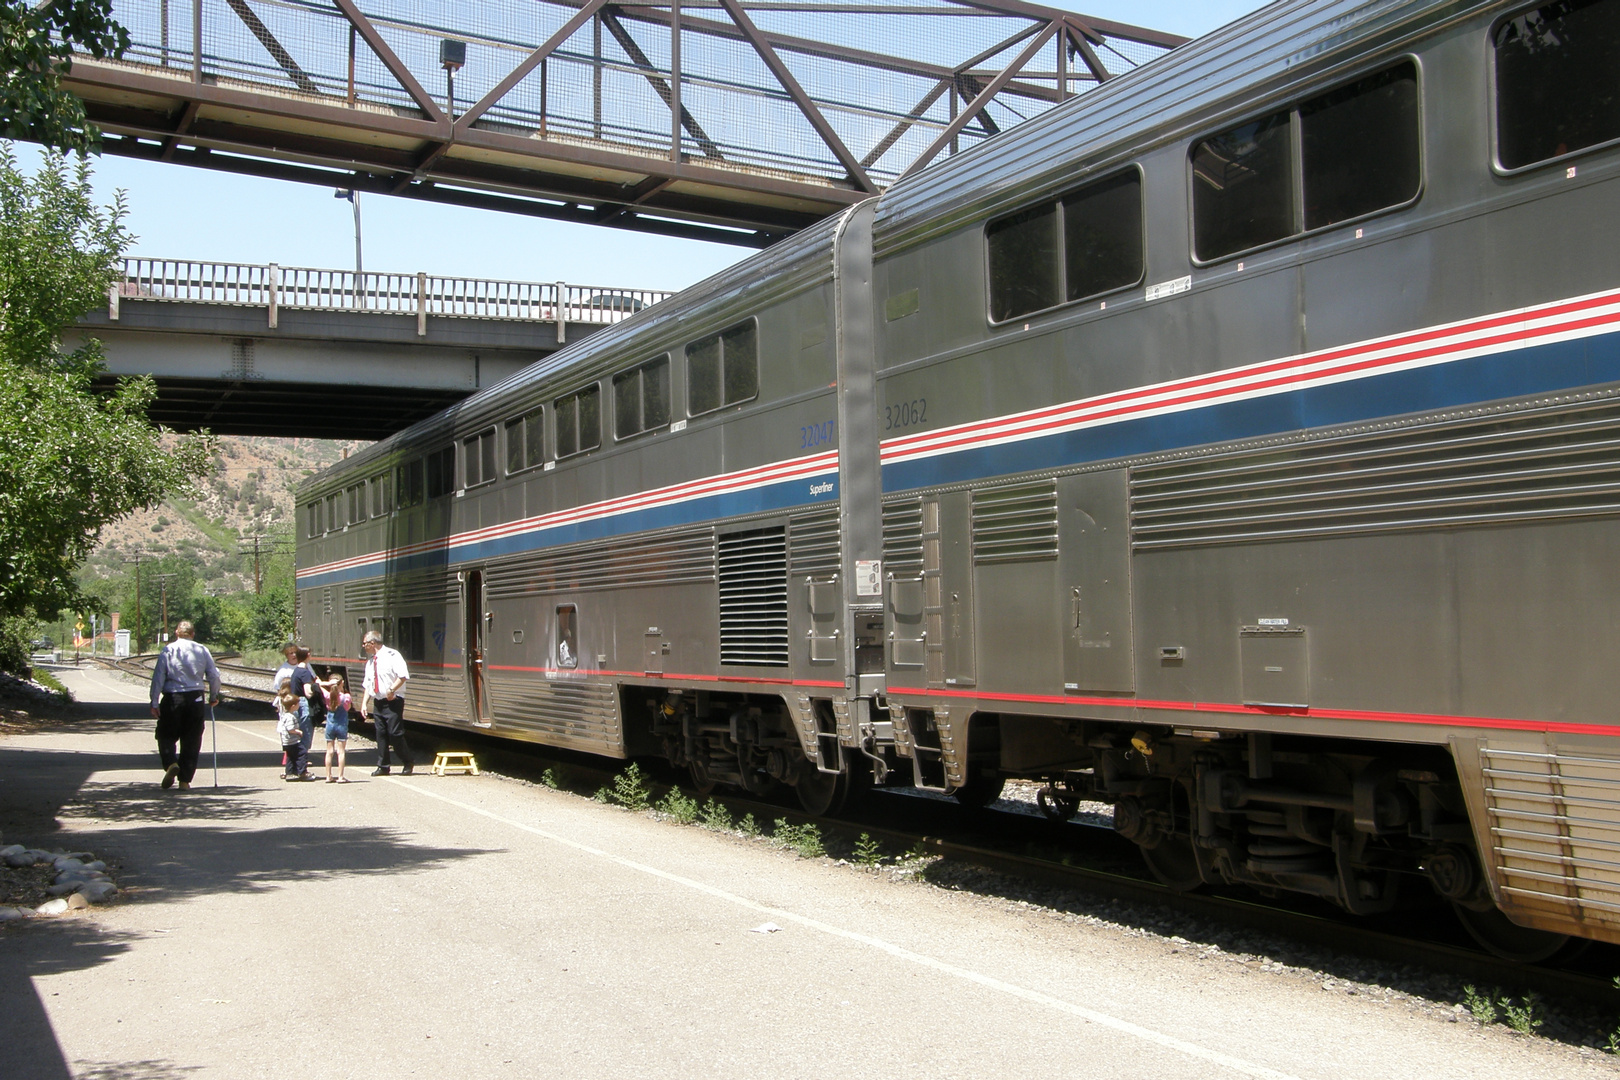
(11, 849)
(97, 865)
(67, 862)
(7, 914)
(98, 892)
(77, 901)
(62, 888)
(52, 907)
(20, 859)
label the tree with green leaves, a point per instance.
(37, 40)
(71, 459)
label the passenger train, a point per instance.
(1237, 443)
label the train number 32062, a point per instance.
(905, 414)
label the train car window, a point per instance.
(526, 441)
(579, 421)
(478, 459)
(1360, 147)
(641, 398)
(1243, 187)
(1023, 262)
(1102, 236)
(382, 501)
(408, 484)
(335, 517)
(413, 638)
(440, 472)
(357, 504)
(567, 636)
(1555, 86)
(722, 369)
(1081, 244)
(312, 518)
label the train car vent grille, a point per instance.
(363, 596)
(903, 535)
(1015, 524)
(326, 601)
(430, 588)
(671, 559)
(1511, 468)
(1555, 839)
(753, 598)
(813, 543)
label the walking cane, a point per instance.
(213, 725)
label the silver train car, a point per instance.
(1238, 444)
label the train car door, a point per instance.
(477, 624)
(1094, 579)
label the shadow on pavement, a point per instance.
(40, 950)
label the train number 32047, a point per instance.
(815, 434)
(905, 414)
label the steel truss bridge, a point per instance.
(740, 121)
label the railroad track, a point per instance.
(1084, 858)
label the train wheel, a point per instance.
(702, 782)
(980, 791)
(827, 793)
(1056, 805)
(1174, 862)
(1503, 937)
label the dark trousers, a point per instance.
(297, 759)
(388, 717)
(181, 718)
(307, 739)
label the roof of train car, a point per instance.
(784, 267)
(1238, 64)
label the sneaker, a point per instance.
(168, 776)
(407, 770)
(290, 776)
(379, 772)
(185, 785)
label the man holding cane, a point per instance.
(185, 683)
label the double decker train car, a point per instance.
(1238, 443)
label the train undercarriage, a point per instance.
(1370, 828)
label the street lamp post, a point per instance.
(359, 266)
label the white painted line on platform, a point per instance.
(1158, 1038)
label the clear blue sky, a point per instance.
(180, 212)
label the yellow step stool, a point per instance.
(444, 764)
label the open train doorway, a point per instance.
(473, 655)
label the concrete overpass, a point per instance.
(247, 349)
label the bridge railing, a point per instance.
(275, 287)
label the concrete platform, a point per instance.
(480, 927)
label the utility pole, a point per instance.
(242, 545)
(261, 544)
(163, 584)
(137, 561)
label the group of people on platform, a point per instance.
(185, 682)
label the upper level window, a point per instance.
(579, 421)
(357, 503)
(335, 517)
(1082, 244)
(408, 483)
(1359, 153)
(641, 398)
(382, 501)
(1556, 91)
(722, 369)
(478, 459)
(312, 519)
(526, 441)
(440, 472)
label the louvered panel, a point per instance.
(1510, 468)
(902, 535)
(671, 559)
(432, 695)
(326, 601)
(573, 713)
(1555, 830)
(363, 595)
(1015, 524)
(753, 598)
(434, 587)
(813, 543)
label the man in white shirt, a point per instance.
(183, 678)
(384, 688)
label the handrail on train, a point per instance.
(275, 287)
